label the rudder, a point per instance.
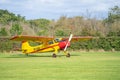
(26, 48)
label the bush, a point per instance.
(107, 44)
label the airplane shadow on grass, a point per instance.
(32, 55)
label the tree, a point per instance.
(60, 33)
(6, 17)
(3, 32)
(112, 22)
(16, 29)
(40, 26)
(113, 15)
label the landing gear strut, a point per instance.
(67, 54)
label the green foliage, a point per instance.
(107, 44)
(40, 26)
(115, 43)
(41, 23)
(16, 29)
(112, 22)
(5, 44)
(6, 17)
(3, 32)
(108, 29)
(113, 15)
(85, 32)
(81, 66)
(104, 43)
(41, 32)
(60, 33)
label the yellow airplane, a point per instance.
(48, 44)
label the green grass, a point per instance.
(80, 66)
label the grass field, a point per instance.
(80, 66)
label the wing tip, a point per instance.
(14, 37)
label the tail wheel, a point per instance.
(68, 55)
(54, 55)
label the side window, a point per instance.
(57, 40)
(50, 42)
(54, 41)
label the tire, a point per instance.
(68, 55)
(54, 55)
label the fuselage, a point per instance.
(51, 46)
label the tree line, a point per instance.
(108, 29)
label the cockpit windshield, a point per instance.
(50, 42)
(54, 41)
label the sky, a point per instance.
(54, 9)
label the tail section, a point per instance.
(26, 48)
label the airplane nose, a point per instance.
(63, 44)
(68, 44)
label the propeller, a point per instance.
(71, 35)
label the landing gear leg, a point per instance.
(67, 54)
(55, 53)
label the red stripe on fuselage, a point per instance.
(61, 45)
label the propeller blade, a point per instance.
(68, 42)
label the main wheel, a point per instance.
(54, 55)
(68, 55)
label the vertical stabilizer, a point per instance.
(26, 48)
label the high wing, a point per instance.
(81, 38)
(32, 38)
(46, 39)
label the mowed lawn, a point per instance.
(80, 66)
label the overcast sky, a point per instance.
(53, 9)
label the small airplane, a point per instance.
(48, 44)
